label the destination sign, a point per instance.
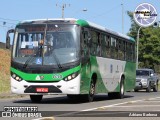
(29, 28)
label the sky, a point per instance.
(107, 13)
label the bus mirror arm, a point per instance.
(8, 38)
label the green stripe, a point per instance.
(82, 23)
(47, 77)
(130, 75)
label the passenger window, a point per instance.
(113, 48)
(96, 43)
(85, 47)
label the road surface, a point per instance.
(133, 106)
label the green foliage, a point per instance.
(149, 44)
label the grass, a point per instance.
(5, 57)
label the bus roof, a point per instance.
(79, 22)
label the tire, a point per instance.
(155, 89)
(90, 96)
(148, 88)
(36, 98)
(135, 90)
(120, 94)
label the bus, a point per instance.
(72, 57)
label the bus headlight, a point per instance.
(71, 76)
(16, 77)
(13, 75)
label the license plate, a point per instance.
(42, 89)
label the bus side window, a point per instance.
(113, 48)
(125, 48)
(85, 37)
(117, 49)
(103, 45)
(93, 46)
(121, 49)
(98, 45)
(108, 42)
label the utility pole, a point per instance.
(63, 6)
(137, 46)
(122, 17)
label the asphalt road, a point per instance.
(132, 107)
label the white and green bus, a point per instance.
(72, 57)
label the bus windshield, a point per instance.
(46, 44)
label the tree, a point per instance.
(149, 44)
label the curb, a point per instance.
(10, 95)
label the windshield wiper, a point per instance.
(27, 61)
(57, 60)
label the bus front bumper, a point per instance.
(61, 87)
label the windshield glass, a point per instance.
(142, 73)
(59, 44)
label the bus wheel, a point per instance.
(120, 94)
(90, 96)
(36, 98)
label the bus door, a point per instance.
(85, 44)
(85, 60)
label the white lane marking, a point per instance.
(140, 106)
(151, 101)
(153, 98)
(113, 105)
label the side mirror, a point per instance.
(8, 38)
(8, 42)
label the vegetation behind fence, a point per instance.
(4, 71)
